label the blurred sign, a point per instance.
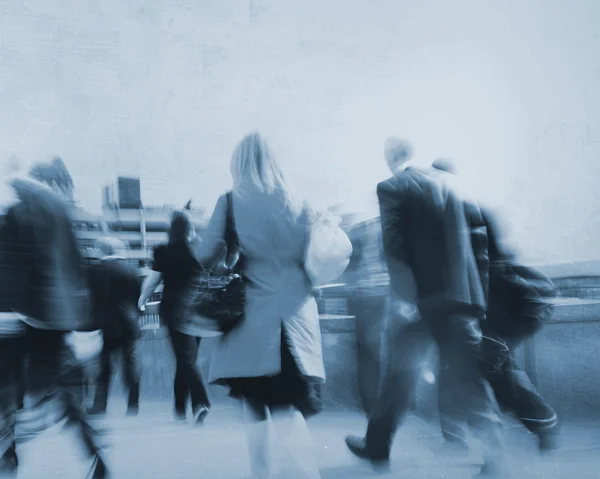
(129, 192)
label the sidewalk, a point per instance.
(152, 446)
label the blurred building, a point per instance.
(125, 217)
(88, 228)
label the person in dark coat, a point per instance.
(435, 289)
(115, 289)
(510, 320)
(44, 282)
(175, 265)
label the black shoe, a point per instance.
(200, 415)
(96, 411)
(358, 447)
(9, 463)
(179, 417)
(99, 469)
(494, 470)
(548, 440)
(132, 410)
(133, 400)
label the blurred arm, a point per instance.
(402, 282)
(150, 284)
(211, 249)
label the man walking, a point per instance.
(516, 311)
(435, 289)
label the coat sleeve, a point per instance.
(211, 250)
(499, 249)
(391, 206)
(403, 301)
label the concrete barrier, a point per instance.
(563, 360)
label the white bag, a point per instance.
(86, 346)
(328, 252)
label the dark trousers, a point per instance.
(516, 393)
(11, 379)
(404, 352)
(126, 348)
(467, 394)
(52, 372)
(369, 311)
(512, 388)
(188, 381)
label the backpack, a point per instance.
(520, 300)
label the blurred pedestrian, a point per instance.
(175, 265)
(115, 289)
(44, 281)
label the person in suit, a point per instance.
(44, 280)
(272, 360)
(435, 289)
(115, 289)
(511, 385)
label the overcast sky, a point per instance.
(163, 89)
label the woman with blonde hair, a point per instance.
(273, 359)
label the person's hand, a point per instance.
(142, 305)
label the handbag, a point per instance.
(520, 301)
(215, 301)
(328, 251)
(85, 346)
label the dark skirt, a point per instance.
(288, 388)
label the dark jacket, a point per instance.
(424, 226)
(479, 241)
(115, 288)
(42, 272)
(178, 265)
(518, 295)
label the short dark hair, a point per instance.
(181, 226)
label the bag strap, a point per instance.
(231, 236)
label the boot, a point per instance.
(133, 400)
(99, 469)
(9, 463)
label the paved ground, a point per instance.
(151, 446)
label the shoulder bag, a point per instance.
(214, 302)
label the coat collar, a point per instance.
(402, 168)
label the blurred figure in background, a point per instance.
(516, 310)
(368, 308)
(115, 289)
(175, 265)
(44, 281)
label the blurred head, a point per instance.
(56, 175)
(254, 169)
(397, 153)
(181, 227)
(109, 246)
(443, 164)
